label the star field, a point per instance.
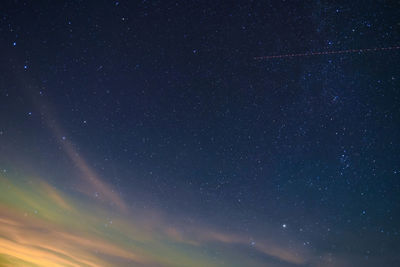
(147, 134)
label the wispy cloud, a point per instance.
(88, 175)
(43, 226)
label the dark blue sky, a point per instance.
(165, 102)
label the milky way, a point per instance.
(146, 133)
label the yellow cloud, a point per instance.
(42, 226)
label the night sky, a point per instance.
(144, 133)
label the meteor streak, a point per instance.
(329, 52)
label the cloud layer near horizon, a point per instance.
(43, 226)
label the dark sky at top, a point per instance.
(166, 103)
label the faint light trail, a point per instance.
(329, 52)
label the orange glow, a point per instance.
(42, 226)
